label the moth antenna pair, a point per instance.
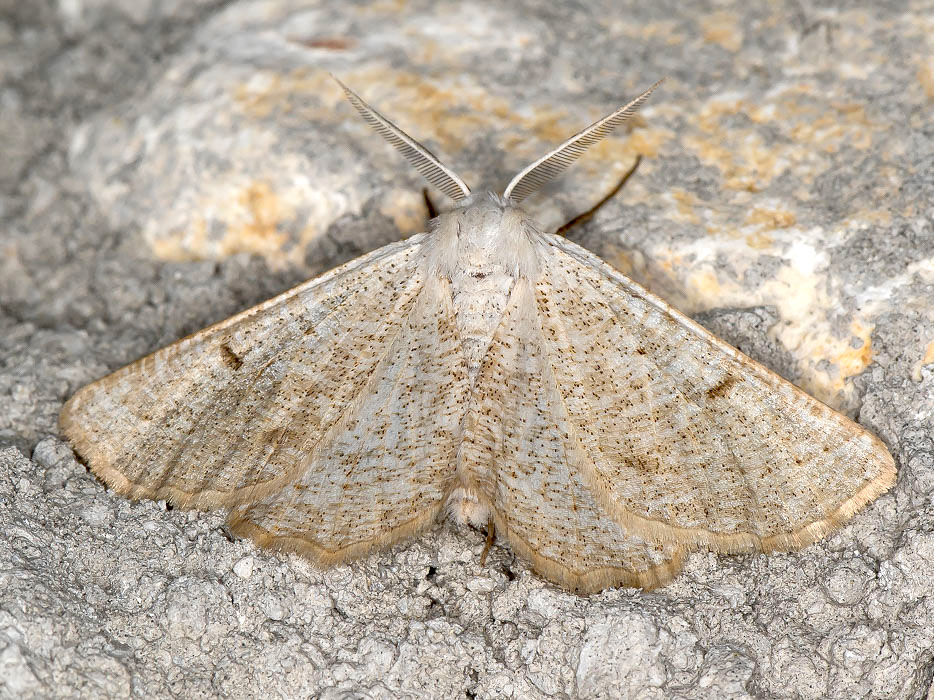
(530, 179)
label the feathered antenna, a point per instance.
(424, 160)
(555, 162)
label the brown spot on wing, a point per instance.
(230, 358)
(722, 388)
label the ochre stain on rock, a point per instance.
(262, 212)
(854, 360)
(181, 246)
(686, 204)
(760, 240)
(251, 221)
(926, 78)
(407, 209)
(722, 28)
(928, 354)
(808, 127)
(927, 358)
(770, 219)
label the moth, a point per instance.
(493, 372)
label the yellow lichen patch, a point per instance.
(623, 147)
(703, 284)
(249, 220)
(759, 240)
(926, 359)
(538, 126)
(661, 271)
(423, 109)
(685, 205)
(646, 142)
(256, 217)
(388, 7)
(808, 130)
(826, 360)
(770, 219)
(723, 28)
(847, 125)
(426, 110)
(926, 78)
(547, 125)
(667, 263)
(667, 29)
(407, 210)
(606, 160)
(630, 262)
(877, 217)
(267, 92)
(745, 162)
(853, 360)
(180, 245)
(614, 156)
(797, 290)
(451, 116)
(624, 27)
(754, 165)
(928, 354)
(831, 385)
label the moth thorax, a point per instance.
(483, 237)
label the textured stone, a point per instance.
(184, 160)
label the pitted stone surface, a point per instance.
(169, 164)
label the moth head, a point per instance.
(526, 182)
(483, 233)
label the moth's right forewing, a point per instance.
(230, 412)
(688, 440)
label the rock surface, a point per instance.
(165, 164)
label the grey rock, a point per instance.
(166, 164)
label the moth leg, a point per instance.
(587, 215)
(490, 538)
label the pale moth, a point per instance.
(493, 372)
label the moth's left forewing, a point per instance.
(227, 413)
(688, 440)
(518, 457)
